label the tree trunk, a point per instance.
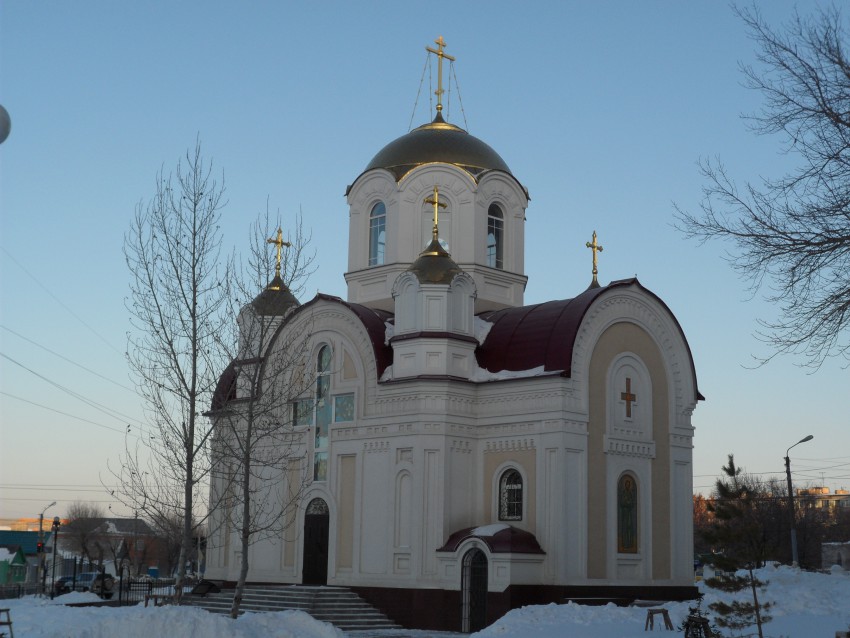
(756, 602)
(245, 526)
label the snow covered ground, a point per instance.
(805, 605)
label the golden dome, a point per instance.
(438, 141)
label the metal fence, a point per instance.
(76, 574)
(135, 590)
(18, 590)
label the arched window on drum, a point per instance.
(495, 236)
(377, 234)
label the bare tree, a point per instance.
(255, 443)
(793, 232)
(168, 532)
(81, 533)
(178, 302)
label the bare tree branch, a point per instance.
(791, 235)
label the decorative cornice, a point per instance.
(629, 447)
(460, 446)
(426, 334)
(509, 445)
(376, 447)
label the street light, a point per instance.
(794, 557)
(56, 523)
(40, 573)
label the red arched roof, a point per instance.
(544, 334)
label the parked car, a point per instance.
(98, 583)
(62, 585)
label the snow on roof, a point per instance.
(480, 374)
(5, 554)
(482, 329)
(489, 530)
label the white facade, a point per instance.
(596, 425)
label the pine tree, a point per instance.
(739, 534)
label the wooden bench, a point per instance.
(158, 599)
(6, 623)
(651, 613)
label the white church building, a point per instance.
(460, 453)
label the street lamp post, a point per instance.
(795, 559)
(40, 570)
(56, 523)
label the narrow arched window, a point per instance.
(324, 413)
(627, 515)
(510, 496)
(495, 239)
(377, 234)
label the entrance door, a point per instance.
(474, 587)
(316, 523)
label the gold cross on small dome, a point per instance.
(437, 205)
(278, 241)
(596, 248)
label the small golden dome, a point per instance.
(275, 300)
(435, 265)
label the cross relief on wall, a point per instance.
(628, 398)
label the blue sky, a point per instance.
(600, 109)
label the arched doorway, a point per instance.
(316, 524)
(474, 591)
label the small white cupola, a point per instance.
(434, 313)
(259, 320)
(483, 223)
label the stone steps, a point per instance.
(336, 605)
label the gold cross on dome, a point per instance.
(440, 55)
(278, 241)
(437, 205)
(596, 248)
(628, 397)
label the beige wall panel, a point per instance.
(345, 518)
(628, 337)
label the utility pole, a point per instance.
(40, 566)
(795, 558)
(56, 523)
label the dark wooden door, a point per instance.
(474, 591)
(316, 526)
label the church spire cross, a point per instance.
(437, 205)
(440, 55)
(628, 397)
(279, 243)
(596, 248)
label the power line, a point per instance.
(59, 301)
(61, 500)
(71, 361)
(91, 403)
(78, 418)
